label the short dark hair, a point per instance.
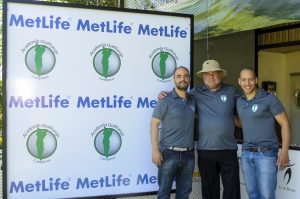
(249, 69)
(181, 67)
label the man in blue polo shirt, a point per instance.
(216, 146)
(258, 111)
(173, 146)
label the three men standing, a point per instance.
(216, 146)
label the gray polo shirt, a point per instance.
(177, 118)
(258, 122)
(215, 117)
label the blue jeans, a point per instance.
(179, 165)
(260, 173)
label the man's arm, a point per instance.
(156, 154)
(162, 95)
(237, 121)
(283, 158)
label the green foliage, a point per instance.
(109, 3)
(1, 105)
(1, 3)
(1, 70)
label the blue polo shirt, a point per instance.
(258, 122)
(215, 117)
(177, 116)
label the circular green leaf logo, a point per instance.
(107, 62)
(163, 65)
(108, 142)
(41, 143)
(40, 60)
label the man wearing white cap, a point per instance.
(216, 146)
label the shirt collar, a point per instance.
(258, 94)
(175, 95)
(204, 87)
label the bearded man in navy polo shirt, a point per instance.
(173, 146)
(260, 161)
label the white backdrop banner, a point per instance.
(81, 84)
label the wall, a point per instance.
(271, 68)
(293, 66)
(292, 61)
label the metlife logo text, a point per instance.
(55, 184)
(57, 101)
(104, 26)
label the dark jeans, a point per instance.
(179, 165)
(215, 163)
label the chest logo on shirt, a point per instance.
(254, 107)
(223, 98)
(192, 108)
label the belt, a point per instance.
(259, 149)
(174, 148)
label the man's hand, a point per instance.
(157, 157)
(162, 95)
(156, 154)
(283, 160)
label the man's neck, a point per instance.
(215, 89)
(180, 93)
(251, 95)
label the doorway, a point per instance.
(281, 65)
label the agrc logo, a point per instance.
(40, 59)
(107, 62)
(163, 65)
(108, 141)
(41, 143)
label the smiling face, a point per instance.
(248, 81)
(213, 79)
(182, 78)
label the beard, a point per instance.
(182, 86)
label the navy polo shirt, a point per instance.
(177, 116)
(215, 117)
(258, 122)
